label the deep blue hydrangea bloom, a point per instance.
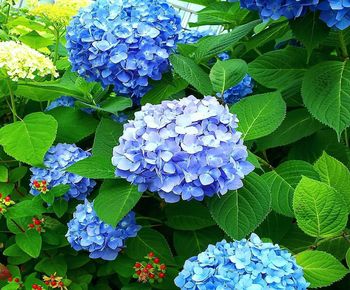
(238, 92)
(336, 13)
(183, 149)
(69, 102)
(189, 36)
(123, 43)
(242, 265)
(275, 9)
(56, 160)
(87, 232)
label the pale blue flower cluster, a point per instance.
(242, 265)
(56, 160)
(190, 36)
(124, 43)
(87, 232)
(336, 13)
(183, 149)
(238, 92)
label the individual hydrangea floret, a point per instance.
(57, 159)
(242, 265)
(190, 36)
(19, 61)
(183, 149)
(335, 13)
(275, 9)
(87, 232)
(124, 43)
(238, 92)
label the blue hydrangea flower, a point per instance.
(87, 232)
(56, 160)
(336, 13)
(275, 9)
(68, 102)
(238, 92)
(183, 149)
(190, 36)
(120, 118)
(123, 43)
(242, 265)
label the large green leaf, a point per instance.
(192, 73)
(319, 209)
(226, 74)
(239, 212)
(115, 199)
(146, 241)
(30, 242)
(335, 174)
(29, 139)
(55, 264)
(259, 115)
(279, 69)
(326, 93)
(297, 125)
(320, 268)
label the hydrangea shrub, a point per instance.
(138, 151)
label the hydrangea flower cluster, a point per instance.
(60, 12)
(275, 9)
(19, 61)
(242, 265)
(189, 36)
(68, 102)
(87, 232)
(238, 92)
(183, 149)
(335, 13)
(124, 43)
(56, 160)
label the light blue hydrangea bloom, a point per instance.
(336, 13)
(190, 36)
(238, 92)
(123, 43)
(183, 149)
(56, 160)
(275, 9)
(242, 265)
(87, 232)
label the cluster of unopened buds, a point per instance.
(16, 280)
(37, 224)
(5, 202)
(150, 270)
(40, 186)
(54, 282)
(37, 287)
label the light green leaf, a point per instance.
(192, 73)
(320, 268)
(319, 209)
(241, 211)
(348, 258)
(335, 174)
(4, 174)
(28, 140)
(326, 93)
(226, 74)
(26, 208)
(115, 199)
(259, 115)
(30, 242)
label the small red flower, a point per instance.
(161, 275)
(156, 260)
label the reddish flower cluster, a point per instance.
(54, 282)
(37, 224)
(4, 273)
(5, 202)
(40, 186)
(150, 271)
(37, 287)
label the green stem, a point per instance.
(57, 44)
(13, 104)
(343, 46)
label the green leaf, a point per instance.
(14, 251)
(298, 124)
(348, 258)
(326, 93)
(16, 174)
(192, 73)
(279, 69)
(115, 199)
(259, 115)
(4, 175)
(50, 265)
(28, 140)
(320, 268)
(239, 212)
(11, 286)
(116, 104)
(35, 40)
(60, 207)
(335, 174)
(26, 208)
(337, 247)
(319, 209)
(149, 240)
(29, 242)
(283, 181)
(73, 124)
(188, 216)
(213, 45)
(226, 74)
(54, 192)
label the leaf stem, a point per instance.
(57, 43)
(13, 104)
